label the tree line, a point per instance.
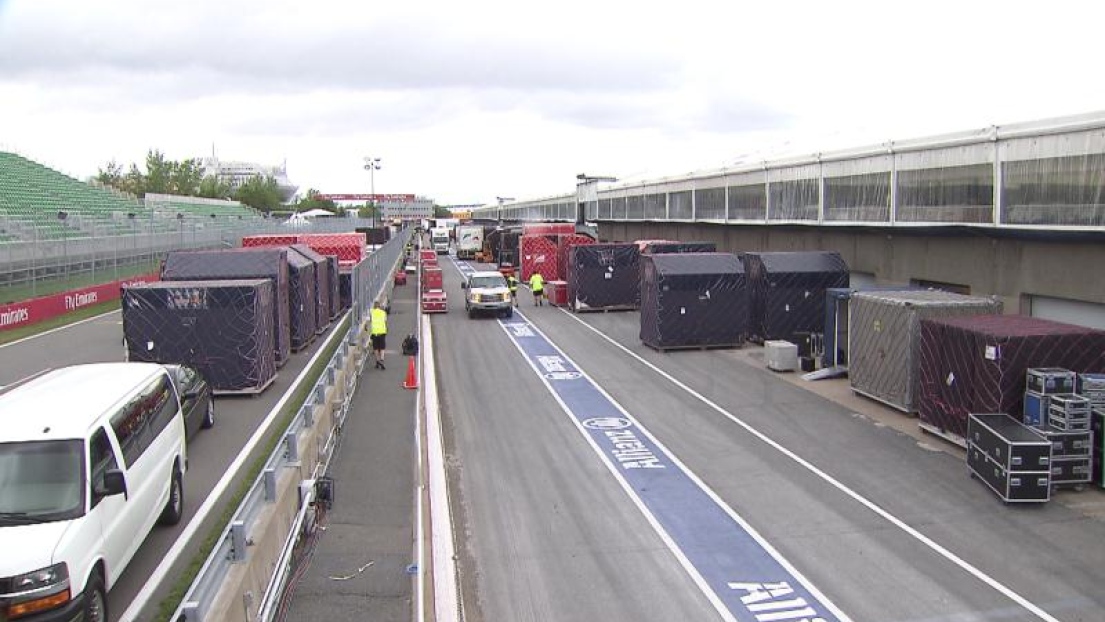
(186, 178)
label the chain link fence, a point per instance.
(127, 248)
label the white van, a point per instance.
(91, 456)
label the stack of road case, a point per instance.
(303, 300)
(1069, 433)
(322, 285)
(539, 254)
(979, 364)
(604, 277)
(692, 300)
(1041, 383)
(557, 293)
(248, 263)
(787, 291)
(1097, 430)
(223, 328)
(1011, 458)
(884, 337)
(1091, 386)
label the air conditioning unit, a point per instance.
(781, 355)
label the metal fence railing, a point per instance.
(371, 279)
(46, 265)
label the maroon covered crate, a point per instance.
(977, 364)
(349, 248)
(269, 239)
(539, 254)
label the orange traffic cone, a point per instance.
(412, 375)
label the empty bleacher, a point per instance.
(39, 203)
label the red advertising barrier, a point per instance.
(278, 239)
(43, 308)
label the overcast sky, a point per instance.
(467, 100)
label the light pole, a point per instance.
(372, 165)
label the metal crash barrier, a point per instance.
(251, 559)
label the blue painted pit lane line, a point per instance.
(741, 574)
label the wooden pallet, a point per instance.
(951, 437)
(719, 346)
(247, 391)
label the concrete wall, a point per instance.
(1007, 267)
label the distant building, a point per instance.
(237, 173)
(419, 208)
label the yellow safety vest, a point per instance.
(512, 283)
(379, 322)
(537, 282)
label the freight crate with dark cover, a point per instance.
(247, 263)
(884, 339)
(223, 328)
(335, 293)
(657, 247)
(303, 300)
(692, 300)
(1097, 428)
(979, 363)
(786, 291)
(604, 276)
(322, 285)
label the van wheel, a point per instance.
(174, 509)
(209, 416)
(95, 601)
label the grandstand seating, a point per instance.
(32, 196)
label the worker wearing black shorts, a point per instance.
(379, 332)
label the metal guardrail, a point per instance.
(371, 278)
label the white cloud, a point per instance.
(469, 100)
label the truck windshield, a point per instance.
(436, 239)
(487, 282)
(41, 481)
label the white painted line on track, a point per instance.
(877, 509)
(446, 603)
(59, 328)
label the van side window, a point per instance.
(143, 418)
(101, 458)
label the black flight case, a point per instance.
(1011, 458)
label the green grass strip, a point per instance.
(276, 435)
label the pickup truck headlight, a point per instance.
(37, 591)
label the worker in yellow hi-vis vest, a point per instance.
(537, 286)
(379, 332)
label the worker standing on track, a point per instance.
(537, 286)
(512, 283)
(379, 332)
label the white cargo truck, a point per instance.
(469, 241)
(439, 239)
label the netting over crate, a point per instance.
(322, 284)
(223, 328)
(787, 291)
(604, 276)
(692, 300)
(884, 337)
(249, 263)
(303, 299)
(979, 363)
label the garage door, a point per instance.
(1069, 311)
